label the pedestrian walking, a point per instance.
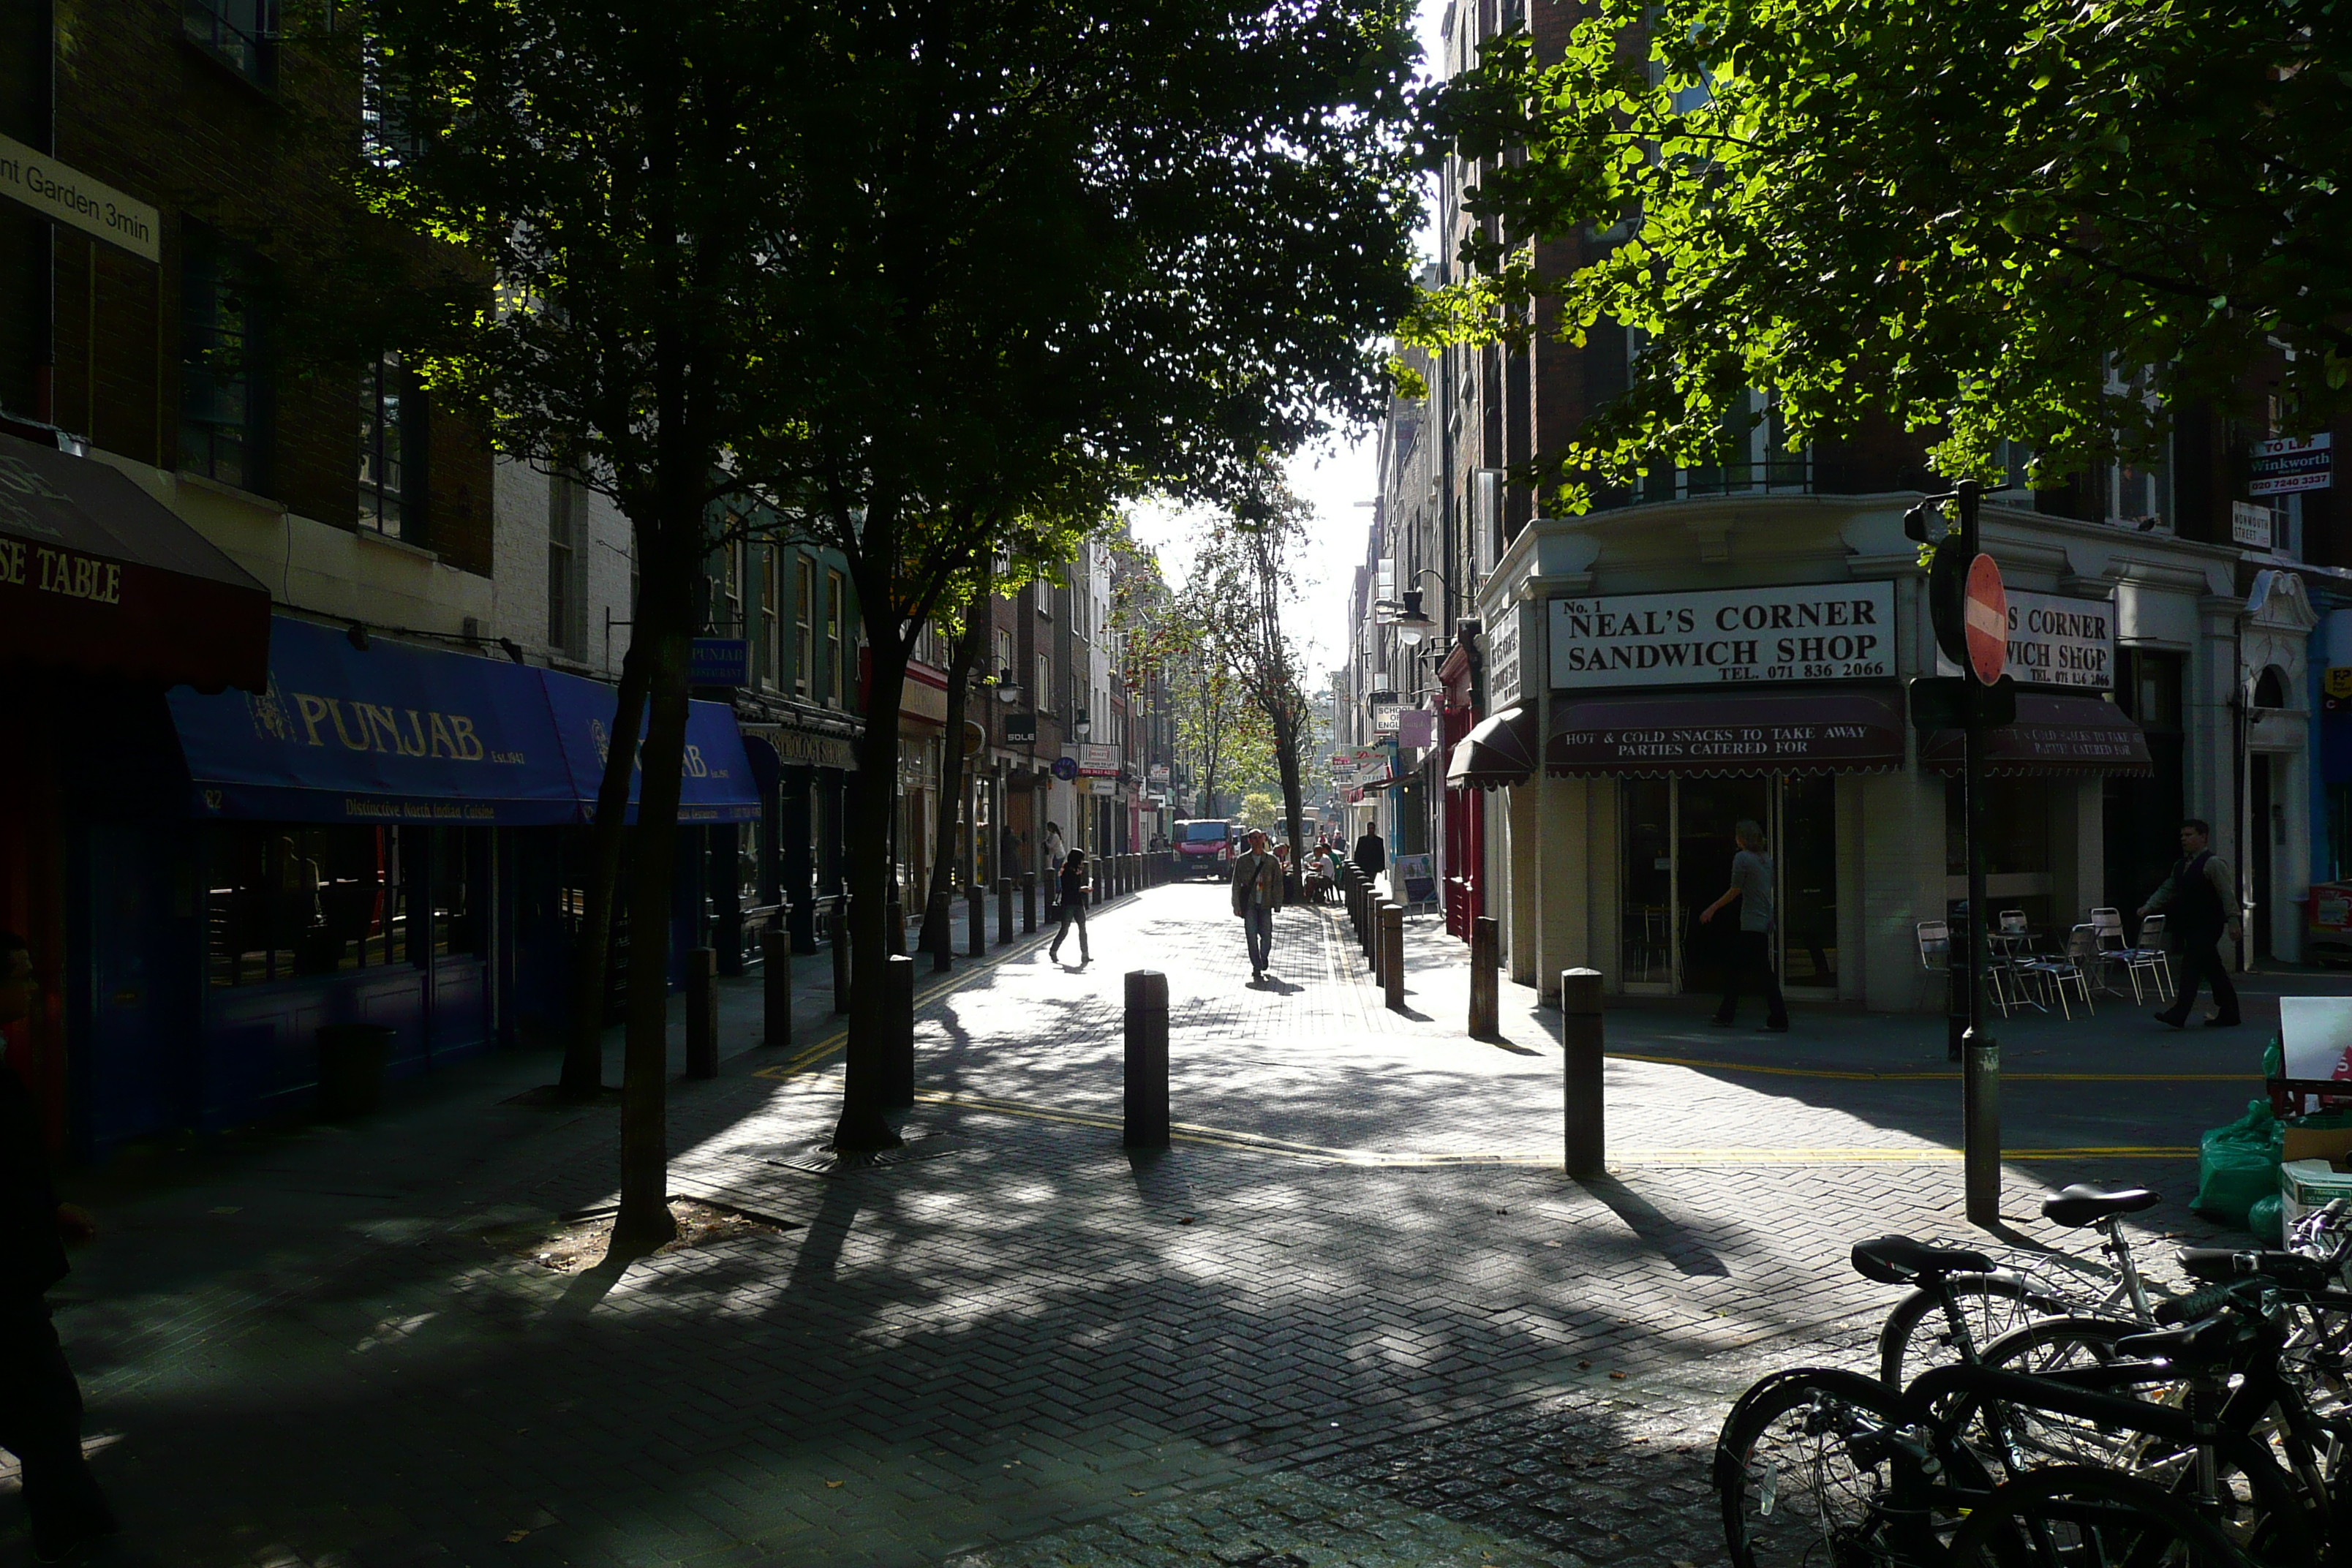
(2200, 902)
(1054, 854)
(1073, 887)
(1751, 946)
(1258, 892)
(40, 1403)
(1372, 855)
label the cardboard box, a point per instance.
(2333, 1144)
(2308, 1185)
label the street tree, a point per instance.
(1045, 256)
(618, 169)
(1243, 586)
(2052, 223)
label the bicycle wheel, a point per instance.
(1806, 1471)
(2080, 1516)
(2061, 1344)
(1918, 1336)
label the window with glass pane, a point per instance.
(240, 33)
(223, 370)
(285, 900)
(383, 435)
(836, 649)
(770, 653)
(803, 626)
(456, 859)
(567, 565)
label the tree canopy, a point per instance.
(1978, 219)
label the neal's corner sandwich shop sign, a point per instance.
(1824, 631)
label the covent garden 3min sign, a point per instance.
(1814, 631)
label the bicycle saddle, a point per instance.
(1899, 1260)
(2219, 1265)
(2083, 1203)
(2199, 1347)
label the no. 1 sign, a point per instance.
(1987, 620)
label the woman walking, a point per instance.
(1073, 907)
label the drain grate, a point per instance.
(821, 1158)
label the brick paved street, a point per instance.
(1354, 1315)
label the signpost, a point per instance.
(1971, 612)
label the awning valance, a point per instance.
(1808, 731)
(396, 733)
(2057, 734)
(98, 576)
(1500, 750)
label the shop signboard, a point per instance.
(2054, 640)
(1157, 775)
(1414, 873)
(718, 661)
(1503, 661)
(1386, 716)
(1811, 632)
(1095, 784)
(1021, 729)
(2284, 467)
(1416, 726)
(1098, 760)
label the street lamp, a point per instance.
(1410, 624)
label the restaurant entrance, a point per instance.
(1678, 839)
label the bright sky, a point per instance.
(1333, 480)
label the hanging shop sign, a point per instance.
(2057, 641)
(1096, 760)
(1826, 631)
(1416, 726)
(1021, 729)
(1503, 661)
(2284, 467)
(1386, 717)
(718, 661)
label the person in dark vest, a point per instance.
(1372, 855)
(40, 1403)
(1071, 886)
(2200, 903)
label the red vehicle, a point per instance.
(1204, 848)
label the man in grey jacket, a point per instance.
(1257, 890)
(2201, 900)
(1751, 950)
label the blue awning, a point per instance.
(401, 733)
(717, 785)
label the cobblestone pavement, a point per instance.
(1351, 1316)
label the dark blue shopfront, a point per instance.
(386, 835)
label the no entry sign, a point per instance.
(1987, 620)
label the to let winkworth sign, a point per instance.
(1815, 631)
(2057, 641)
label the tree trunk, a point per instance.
(1285, 763)
(665, 629)
(864, 1126)
(583, 1050)
(939, 910)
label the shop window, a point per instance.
(457, 864)
(240, 33)
(285, 902)
(2016, 825)
(771, 650)
(223, 362)
(567, 565)
(389, 428)
(1754, 456)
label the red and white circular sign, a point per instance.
(1987, 620)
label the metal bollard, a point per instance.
(1028, 903)
(943, 944)
(776, 985)
(893, 926)
(1393, 954)
(1003, 911)
(702, 1013)
(1579, 1032)
(899, 1001)
(976, 916)
(1147, 1059)
(838, 932)
(1485, 1005)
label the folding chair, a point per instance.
(1935, 943)
(2152, 955)
(2055, 974)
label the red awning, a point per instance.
(1500, 751)
(2058, 734)
(99, 577)
(1808, 731)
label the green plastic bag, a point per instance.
(2262, 1219)
(2238, 1165)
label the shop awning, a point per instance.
(1500, 750)
(718, 784)
(2058, 734)
(396, 733)
(98, 576)
(1815, 730)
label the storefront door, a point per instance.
(1678, 842)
